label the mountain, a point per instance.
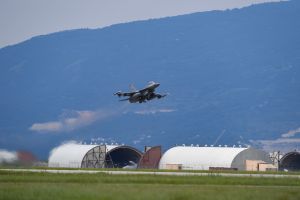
(233, 78)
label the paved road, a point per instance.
(156, 173)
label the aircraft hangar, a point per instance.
(290, 161)
(73, 155)
(209, 158)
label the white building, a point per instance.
(73, 155)
(205, 158)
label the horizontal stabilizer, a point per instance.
(119, 93)
(160, 95)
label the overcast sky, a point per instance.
(23, 19)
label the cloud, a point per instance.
(71, 120)
(280, 141)
(48, 126)
(153, 111)
(143, 138)
(291, 133)
(8, 156)
(282, 144)
(101, 140)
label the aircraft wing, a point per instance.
(124, 99)
(145, 89)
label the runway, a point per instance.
(159, 173)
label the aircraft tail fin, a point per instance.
(132, 88)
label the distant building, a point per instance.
(205, 158)
(26, 158)
(93, 156)
(150, 158)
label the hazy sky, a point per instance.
(23, 19)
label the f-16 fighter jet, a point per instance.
(143, 95)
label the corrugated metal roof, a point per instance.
(71, 154)
(200, 158)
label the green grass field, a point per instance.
(26, 185)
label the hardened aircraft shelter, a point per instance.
(73, 155)
(290, 161)
(205, 158)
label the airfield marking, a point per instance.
(155, 173)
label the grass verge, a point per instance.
(26, 185)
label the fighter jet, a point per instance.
(143, 95)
